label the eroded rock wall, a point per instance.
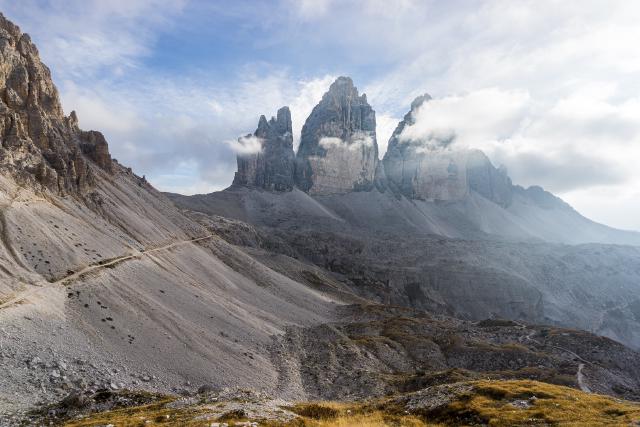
(338, 149)
(39, 143)
(272, 167)
(432, 168)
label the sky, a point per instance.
(549, 89)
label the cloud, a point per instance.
(547, 88)
(358, 141)
(311, 9)
(176, 130)
(331, 142)
(246, 145)
(385, 125)
(476, 118)
(84, 38)
(578, 142)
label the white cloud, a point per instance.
(361, 138)
(95, 112)
(331, 142)
(246, 145)
(476, 119)
(358, 140)
(582, 141)
(81, 38)
(548, 88)
(311, 9)
(385, 125)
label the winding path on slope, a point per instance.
(580, 377)
(96, 266)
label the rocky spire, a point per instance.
(338, 149)
(36, 137)
(432, 169)
(272, 167)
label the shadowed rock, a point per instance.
(432, 168)
(38, 142)
(338, 149)
(272, 167)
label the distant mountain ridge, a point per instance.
(434, 228)
(450, 191)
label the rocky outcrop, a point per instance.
(490, 182)
(338, 154)
(423, 169)
(272, 167)
(432, 168)
(338, 149)
(39, 143)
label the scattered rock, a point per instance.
(208, 388)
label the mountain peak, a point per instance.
(338, 149)
(41, 140)
(283, 120)
(272, 167)
(417, 103)
(343, 89)
(341, 83)
(427, 169)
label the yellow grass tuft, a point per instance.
(496, 403)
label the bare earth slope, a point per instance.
(534, 215)
(165, 316)
(105, 284)
(431, 256)
(103, 281)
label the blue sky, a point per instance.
(548, 88)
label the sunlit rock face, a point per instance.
(271, 166)
(40, 145)
(338, 149)
(433, 168)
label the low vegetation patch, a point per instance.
(315, 411)
(509, 403)
(484, 402)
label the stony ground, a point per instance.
(365, 242)
(377, 350)
(479, 402)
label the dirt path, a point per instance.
(580, 377)
(93, 267)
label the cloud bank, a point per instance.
(246, 145)
(547, 88)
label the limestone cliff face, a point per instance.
(431, 169)
(338, 149)
(39, 143)
(272, 167)
(485, 179)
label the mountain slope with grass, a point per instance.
(117, 306)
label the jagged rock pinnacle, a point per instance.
(36, 136)
(272, 167)
(429, 169)
(338, 149)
